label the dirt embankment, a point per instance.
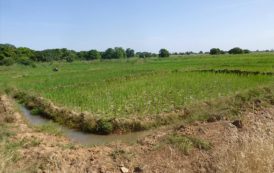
(246, 149)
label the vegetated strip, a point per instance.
(225, 108)
(238, 72)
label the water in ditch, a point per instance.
(81, 137)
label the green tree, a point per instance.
(119, 53)
(236, 50)
(164, 53)
(108, 54)
(7, 54)
(93, 54)
(7, 51)
(25, 52)
(130, 53)
(145, 54)
(215, 51)
(82, 55)
(246, 51)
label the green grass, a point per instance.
(50, 128)
(138, 87)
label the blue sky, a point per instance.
(145, 25)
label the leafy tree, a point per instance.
(108, 54)
(236, 50)
(223, 52)
(93, 54)
(140, 54)
(55, 55)
(7, 51)
(71, 57)
(7, 54)
(164, 53)
(130, 53)
(215, 51)
(145, 54)
(82, 55)
(188, 53)
(25, 52)
(119, 53)
(246, 51)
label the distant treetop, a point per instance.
(164, 53)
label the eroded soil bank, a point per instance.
(231, 149)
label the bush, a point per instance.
(69, 59)
(25, 61)
(7, 61)
(104, 126)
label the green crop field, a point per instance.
(138, 87)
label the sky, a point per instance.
(144, 25)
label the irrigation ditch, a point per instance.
(215, 109)
(81, 137)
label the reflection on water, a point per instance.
(81, 137)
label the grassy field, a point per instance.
(138, 87)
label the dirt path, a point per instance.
(247, 149)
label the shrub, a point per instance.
(7, 61)
(69, 59)
(104, 126)
(25, 61)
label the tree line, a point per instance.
(236, 50)
(9, 54)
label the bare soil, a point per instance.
(246, 149)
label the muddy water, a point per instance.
(81, 137)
